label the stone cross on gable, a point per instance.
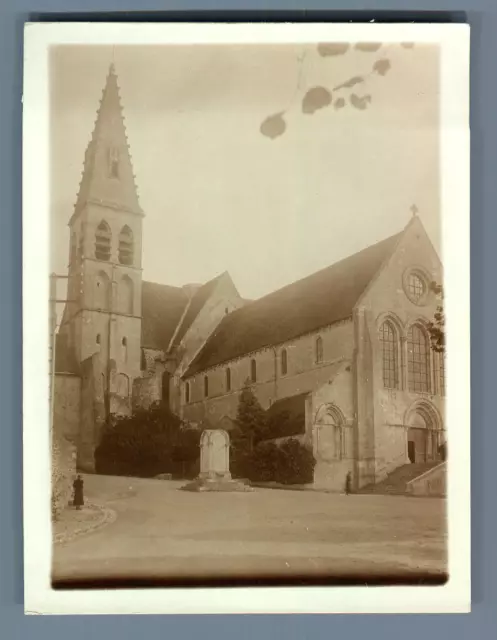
(414, 210)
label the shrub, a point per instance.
(287, 463)
(296, 463)
(284, 425)
(185, 453)
(149, 442)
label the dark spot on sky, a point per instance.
(368, 46)
(382, 66)
(332, 48)
(273, 126)
(316, 98)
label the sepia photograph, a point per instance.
(248, 282)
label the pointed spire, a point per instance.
(108, 177)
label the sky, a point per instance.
(218, 195)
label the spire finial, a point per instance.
(414, 210)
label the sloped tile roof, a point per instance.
(199, 298)
(318, 300)
(162, 309)
(291, 411)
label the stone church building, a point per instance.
(344, 351)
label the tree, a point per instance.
(251, 418)
(436, 328)
(353, 92)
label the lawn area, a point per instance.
(164, 534)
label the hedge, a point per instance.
(146, 444)
(287, 463)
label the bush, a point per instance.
(150, 442)
(287, 463)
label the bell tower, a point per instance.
(104, 315)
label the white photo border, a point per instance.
(40, 598)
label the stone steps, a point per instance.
(396, 482)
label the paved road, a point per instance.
(163, 532)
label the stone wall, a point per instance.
(67, 398)
(146, 391)
(93, 412)
(431, 483)
(303, 374)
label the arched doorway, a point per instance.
(424, 434)
(330, 442)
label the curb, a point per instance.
(108, 516)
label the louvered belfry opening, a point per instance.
(103, 239)
(126, 246)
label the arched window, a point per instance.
(101, 291)
(253, 370)
(124, 344)
(187, 392)
(228, 379)
(418, 360)
(122, 385)
(206, 386)
(126, 245)
(125, 295)
(389, 348)
(103, 238)
(284, 362)
(319, 350)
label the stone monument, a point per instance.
(215, 455)
(215, 464)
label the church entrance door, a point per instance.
(417, 445)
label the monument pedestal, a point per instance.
(216, 484)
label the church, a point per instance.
(345, 352)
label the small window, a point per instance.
(253, 370)
(284, 362)
(228, 379)
(98, 338)
(416, 287)
(124, 348)
(187, 392)
(102, 242)
(206, 386)
(113, 163)
(319, 350)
